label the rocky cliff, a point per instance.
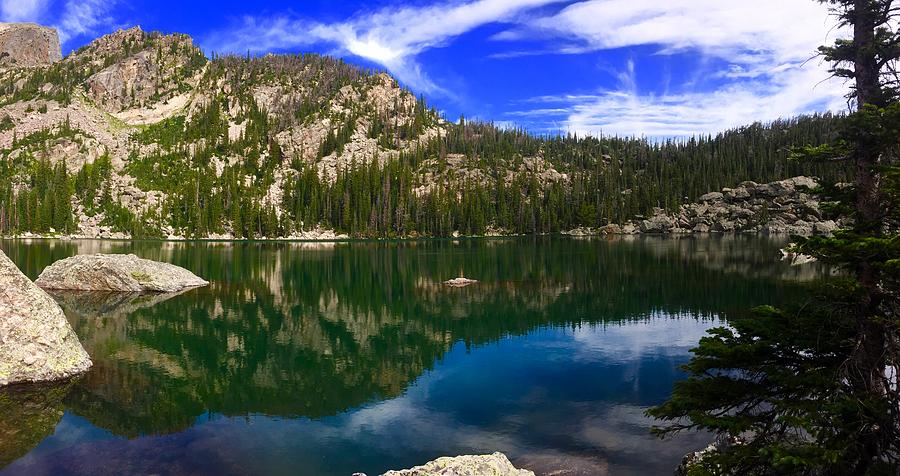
(28, 45)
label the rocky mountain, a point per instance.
(141, 134)
(28, 45)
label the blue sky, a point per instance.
(656, 68)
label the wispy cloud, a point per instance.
(764, 68)
(22, 10)
(391, 37)
(84, 17)
(627, 113)
(743, 31)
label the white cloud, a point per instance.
(22, 10)
(391, 37)
(746, 31)
(766, 46)
(760, 52)
(793, 91)
(71, 18)
(83, 17)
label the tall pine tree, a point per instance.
(814, 389)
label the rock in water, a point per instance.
(28, 45)
(36, 341)
(120, 273)
(460, 282)
(496, 464)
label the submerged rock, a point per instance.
(496, 464)
(460, 282)
(116, 272)
(36, 341)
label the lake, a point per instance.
(333, 358)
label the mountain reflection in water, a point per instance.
(317, 358)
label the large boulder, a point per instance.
(660, 222)
(28, 45)
(36, 341)
(116, 272)
(711, 197)
(496, 464)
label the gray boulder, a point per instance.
(115, 272)
(740, 193)
(825, 227)
(660, 222)
(804, 182)
(496, 464)
(611, 229)
(711, 197)
(37, 343)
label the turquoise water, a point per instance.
(327, 359)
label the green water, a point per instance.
(304, 358)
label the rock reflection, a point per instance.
(28, 414)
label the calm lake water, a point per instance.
(326, 359)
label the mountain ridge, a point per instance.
(140, 134)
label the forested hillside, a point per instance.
(141, 134)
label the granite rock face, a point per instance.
(117, 272)
(36, 341)
(496, 464)
(28, 45)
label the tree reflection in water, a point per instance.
(313, 331)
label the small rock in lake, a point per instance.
(117, 272)
(460, 282)
(796, 259)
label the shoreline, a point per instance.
(347, 239)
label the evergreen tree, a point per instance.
(814, 389)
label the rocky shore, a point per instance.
(785, 207)
(106, 233)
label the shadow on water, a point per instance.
(314, 334)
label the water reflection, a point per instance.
(352, 357)
(28, 414)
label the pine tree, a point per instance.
(813, 389)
